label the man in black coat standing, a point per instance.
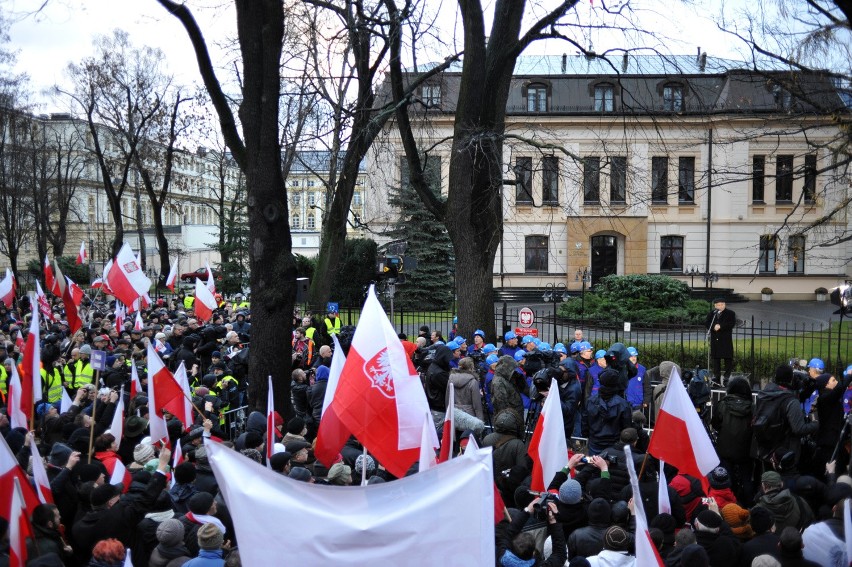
(720, 325)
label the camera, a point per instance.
(540, 509)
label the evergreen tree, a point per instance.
(430, 285)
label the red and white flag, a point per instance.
(548, 448)
(126, 278)
(16, 408)
(177, 458)
(135, 384)
(679, 437)
(49, 280)
(58, 281)
(664, 504)
(97, 283)
(162, 390)
(19, 526)
(42, 484)
(379, 397)
(7, 288)
(75, 292)
(427, 451)
(81, 255)
(43, 303)
(119, 473)
(331, 434)
(120, 316)
(182, 406)
(448, 435)
(211, 283)
(31, 365)
(10, 471)
(19, 341)
(205, 303)
(117, 425)
(270, 424)
(173, 273)
(138, 323)
(71, 298)
(646, 551)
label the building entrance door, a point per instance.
(604, 257)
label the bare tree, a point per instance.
(16, 150)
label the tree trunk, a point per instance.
(162, 242)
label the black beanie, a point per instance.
(296, 425)
(784, 375)
(200, 503)
(184, 473)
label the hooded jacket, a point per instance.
(794, 416)
(317, 393)
(256, 422)
(787, 509)
(467, 394)
(437, 378)
(504, 393)
(732, 420)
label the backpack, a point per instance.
(769, 424)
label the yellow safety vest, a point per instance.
(53, 383)
(243, 305)
(80, 374)
(333, 327)
(3, 376)
(188, 301)
(309, 332)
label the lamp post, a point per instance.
(692, 270)
(583, 274)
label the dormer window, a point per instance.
(783, 98)
(604, 95)
(673, 97)
(431, 95)
(537, 98)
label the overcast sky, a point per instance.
(47, 41)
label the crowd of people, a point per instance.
(776, 498)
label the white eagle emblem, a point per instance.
(378, 371)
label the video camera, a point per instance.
(541, 507)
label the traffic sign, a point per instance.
(526, 317)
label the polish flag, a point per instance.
(211, 284)
(162, 389)
(58, 281)
(126, 278)
(17, 408)
(664, 505)
(270, 424)
(43, 303)
(205, 303)
(135, 384)
(137, 323)
(66, 402)
(679, 436)
(120, 316)
(82, 256)
(181, 407)
(31, 379)
(49, 280)
(173, 273)
(177, 458)
(427, 451)
(448, 436)
(331, 434)
(646, 551)
(379, 397)
(7, 288)
(97, 283)
(548, 448)
(19, 341)
(19, 526)
(119, 473)
(10, 471)
(117, 426)
(71, 298)
(42, 484)
(75, 292)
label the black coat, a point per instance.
(765, 543)
(317, 396)
(721, 341)
(732, 419)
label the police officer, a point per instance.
(332, 322)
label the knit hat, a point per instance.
(201, 456)
(279, 461)
(784, 375)
(253, 440)
(338, 472)
(252, 454)
(143, 452)
(359, 465)
(599, 511)
(616, 538)
(609, 378)
(695, 556)
(152, 465)
(764, 560)
(719, 478)
(210, 537)
(88, 472)
(184, 473)
(200, 503)
(666, 523)
(103, 494)
(170, 533)
(59, 454)
(296, 426)
(570, 492)
(300, 473)
(771, 478)
(737, 518)
(709, 519)
(761, 519)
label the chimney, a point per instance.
(698, 56)
(564, 62)
(624, 59)
(702, 63)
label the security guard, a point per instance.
(240, 302)
(52, 384)
(188, 301)
(79, 372)
(332, 323)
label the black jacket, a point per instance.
(317, 396)
(721, 341)
(722, 548)
(794, 416)
(732, 420)
(603, 420)
(505, 532)
(437, 378)
(301, 393)
(765, 543)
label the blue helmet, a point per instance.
(527, 340)
(488, 349)
(509, 336)
(519, 356)
(632, 351)
(544, 347)
(560, 348)
(441, 342)
(455, 320)
(537, 341)
(479, 332)
(492, 358)
(600, 354)
(461, 340)
(585, 345)
(454, 345)
(816, 363)
(576, 347)
(848, 370)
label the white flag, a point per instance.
(664, 505)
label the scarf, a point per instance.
(205, 519)
(161, 517)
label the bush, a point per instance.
(767, 291)
(821, 291)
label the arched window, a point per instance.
(296, 222)
(312, 223)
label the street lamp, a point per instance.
(583, 274)
(692, 270)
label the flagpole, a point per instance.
(92, 424)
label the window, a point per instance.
(784, 179)
(660, 179)
(686, 179)
(671, 253)
(809, 189)
(758, 178)
(311, 183)
(535, 257)
(431, 95)
(537, 98)
(673, 98)
(550, 179)
(312, 221)
(783, 99)
(591, 179)
(312, 199)
(604, 98)
(796, 255)
(294, 183)
(297, 222)
(523, 175)
(766, 261)
(297, 199)
(356, 199)
(618, 180)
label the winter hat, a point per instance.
(184, 473)
(143, 453)
(739, 387)
(695, 556)
(88, 472)
(296, 426)
(103, 494)
(616, 538)
(210, 537)
(59, 454)
(708, 520)
(253, 440)
(322, 373)
(771, 478)
(279, 461)
(609, 378)
(719, 478)
(599, 511)
(737, 518)
(764, 560)
(837, 493)
(784, 375)
(761, 519)
(620, 513)
(152, 465)
(570, 492)
(253, 454)
(300, 473)
(201, 456)
(200, 503)
(170, 533)
(134, 426)
(665, 523)
(359, 465)
(338, 472)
